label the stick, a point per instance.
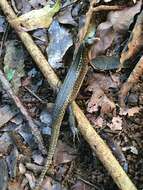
(35, 131)
(95, 141)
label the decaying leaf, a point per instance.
(65, 17)
(105, 63)
(122, 19)
(34, 19)
(80, 185)
(35, 3)
(130, 111)
(3, 175)
(116, 123)
(99, 84)
(15, 185)
(117, 24)
(5, 144)
(105, 33)
(14, 63)
(64, 154)
(31, 179)
(12, 160)
(60, 41)
(6, 113)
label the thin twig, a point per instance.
(91, 136)
(35, 131)
(4, 37)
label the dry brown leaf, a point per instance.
(34, 19)
(99, 84)
(122, 19)
(64, 153)
(97, 122)
(117, 24)
(14, 185)
(116, 123)
(130, 111)
(106, 35)
(80, 185)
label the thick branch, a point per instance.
(97, 144)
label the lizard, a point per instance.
(66, 95)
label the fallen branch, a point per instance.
(97, 144)
(35, 131)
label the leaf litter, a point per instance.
(117, 30)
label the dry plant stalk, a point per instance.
(133, 79)
(95, 141)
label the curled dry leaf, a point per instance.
(34, 19)
(99, 84)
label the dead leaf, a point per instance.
(34, 19)
(60, 42)
(31, 179)
(99, 85)
(6, 114)
(14, 63)
(23, 6)
(65, 17)
(116, 123)
(64, 154)
(47, 184)
(122, 19)
(12, 160)
(36, 3)
(3, 175)
(14, 185)
(80, 185)
(117, 24)
(97, 122)
(5, 144)
(129, 111)
(106, 35)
